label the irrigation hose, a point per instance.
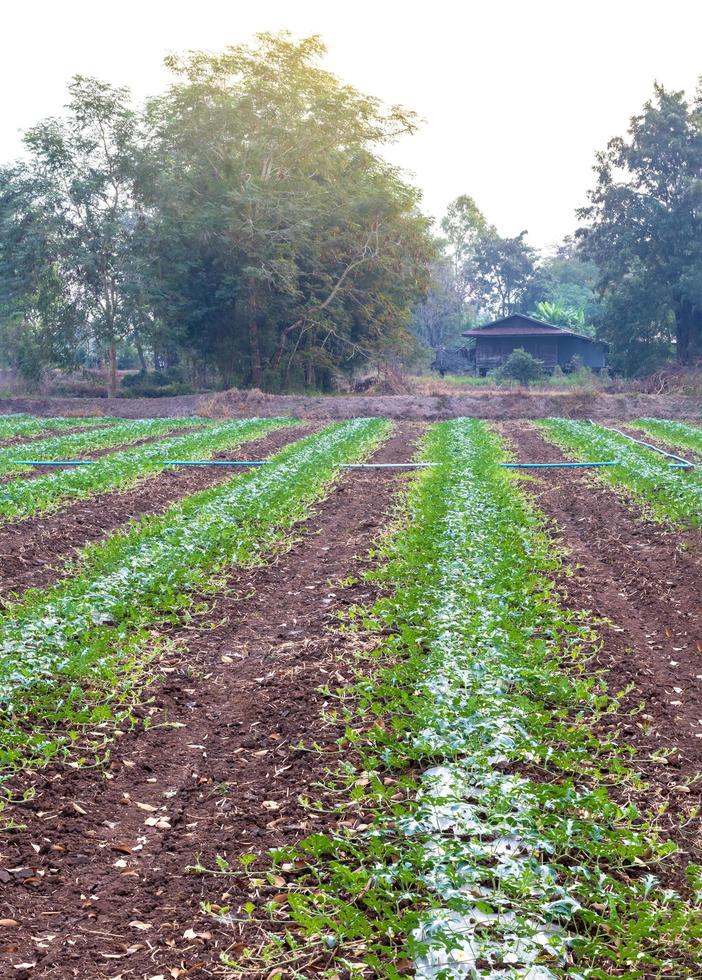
(680, 462)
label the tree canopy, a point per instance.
(244, 228)
(643, 230)
(243, 223)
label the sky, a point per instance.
(516, 95)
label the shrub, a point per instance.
(154, 384)
(522, 367)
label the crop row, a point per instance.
(673, 494)
(673, 433)
(118, 471)
(59, 448)
(26, 426)
(494, 849)
(67, 652)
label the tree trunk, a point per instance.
(254, 348)
(112, 371)
(140, 354)
(688, 333)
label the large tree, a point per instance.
(494, 275)
(283, 245)
(502, 275)
(440, 318)
(643, 228)
(72, 212)
(38, 320)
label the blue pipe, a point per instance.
(217, 462)
(682, 463)
(52, 462)
(265, 462)
(612, 462)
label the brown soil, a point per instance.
(97, 453)
(670, 447)
(485, 403)
(98, 892)
(645, 580)
(34, 552)
(48, 434)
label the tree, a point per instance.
(282, 244)
(439, 319)
(501, 274)
(463, 225)
(520, 366)
(643, 228)
(570, 282)
(38, 319)
(79, 181)
(496, 276)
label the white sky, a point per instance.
(517, 94)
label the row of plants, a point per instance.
(667, 492)
(80, 444)
(673, 433)
(69, 653)
(121, 470)
(479, 832)
(21, 426)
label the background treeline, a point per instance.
(631, 274)
(243, 229)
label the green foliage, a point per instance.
(119, 471)
(678, 434)
(481, 276)
(243, 225)
(492, 837)
(291, 249)
(520, 366)
(563, 316)
(83, 443)
(570, 282)
(26, 426)
(70, 218)
(670, 494)
(502, 274)
(643, 229)
(155, 384)
(79, 647)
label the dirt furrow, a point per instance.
(103, 889)
(33, 552)
(37, 471)
(645, 580)
(48, 434)
(665, 444)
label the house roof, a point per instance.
(520, 325)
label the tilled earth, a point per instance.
(36, 471)
(643, 579)
(97, 876)
(47, 434)
(33, 552)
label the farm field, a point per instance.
(310, 720)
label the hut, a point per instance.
(548, 343)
